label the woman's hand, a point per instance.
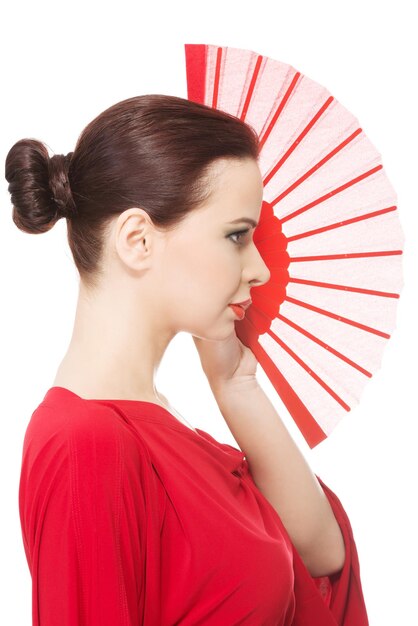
(226, 361)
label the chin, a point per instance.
(217, 334)
(217, 331)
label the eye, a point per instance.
(238, 233)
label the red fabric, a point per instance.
(130, 518)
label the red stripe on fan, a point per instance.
(216, 79)
(324, 345)
(360, 218)
(346, 255)
(327, 195)
(301, 415)
(297, 141)
(370, 292)
(251, 87)
(306, 367)
(279, 109)
(335, 316)
(195, 71)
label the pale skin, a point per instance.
(157, 284)
(160, 283)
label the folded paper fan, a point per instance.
(329, 233)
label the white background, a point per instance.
(64, 63)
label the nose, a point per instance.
(255, 270)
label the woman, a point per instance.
(129, 515)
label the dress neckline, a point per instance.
(153, 409)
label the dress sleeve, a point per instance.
(335, 600)
(83, 517)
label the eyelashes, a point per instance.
(237, 233)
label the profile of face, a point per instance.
(209, 261)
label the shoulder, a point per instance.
(84, 433)
(92, 466)
(87, 451)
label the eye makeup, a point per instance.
(237, 233)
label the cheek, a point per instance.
(205, 275)
(198, 287)
(201, 264)
(215, 273)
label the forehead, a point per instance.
(236, 190)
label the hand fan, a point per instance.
(329, 233)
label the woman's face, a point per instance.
(204, 264)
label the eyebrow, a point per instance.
(245, 219)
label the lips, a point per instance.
(240, 307)
(238, 310)
(245, 304)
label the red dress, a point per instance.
(130, 518)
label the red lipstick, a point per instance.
(245, 304)
(240, 307)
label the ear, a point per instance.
(132, 233)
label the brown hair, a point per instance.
(151, 151)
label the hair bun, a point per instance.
(59, 184)
(39, 186)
